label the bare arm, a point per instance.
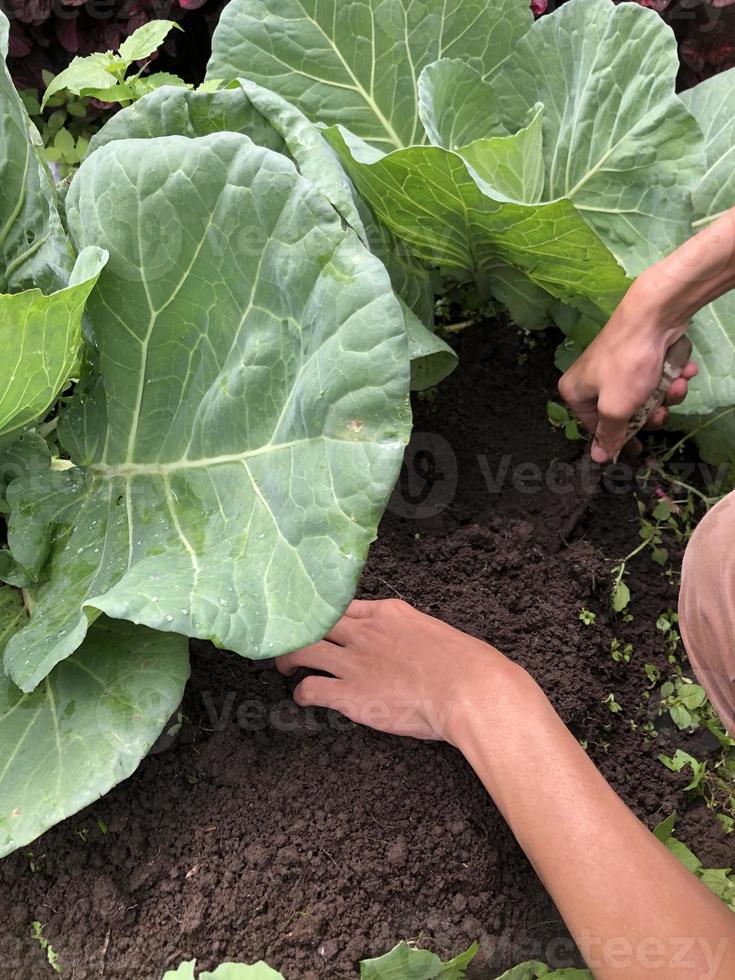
(634, 911)
(623, 364)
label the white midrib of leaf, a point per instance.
(126, 469)
(368, 97)
(708, 219)
(21, 740)
(145, 343)
(131, 468)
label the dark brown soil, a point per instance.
(263, 832)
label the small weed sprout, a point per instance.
(46, 946)
(621, 653)
(685, 702)
(561, 418)
(653, 674)
(587, 617)
(612, 704)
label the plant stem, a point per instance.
(695, 432)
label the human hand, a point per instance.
(398, 670)
(621, 368)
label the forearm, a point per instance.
(700, 271)
(632, 908)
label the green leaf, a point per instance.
(419, 964)
(721, 882)
(27, 455)
(77, 109)
(40, 337)
(360, 67)
(512, 165)
(238, 971)
(30, 101)
(245, 108)
(682, 759)
(238, 446)
(714, 191)
(660, 555)
(665, 833)
(144, 84)
(227, 971)
(172, 111)
(557, 414)
(626, 154)
(456, 105)
(432, 359)
(666, 828)
(34, 251)
(533, 970)
(692, 695)
(64, 142)
(272, 122)
(87, 727)
(713, 328)
(429, 199)
(120, 92)
(83, 74)
(147, 39)
(621, 596)
(681, 717)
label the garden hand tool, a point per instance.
(589, 474)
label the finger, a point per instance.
(690, 371)
(318, 692)
(582, 404)
(657, 419)
(360, 608)
(344, 630)
(588, 417)
(611, 430)
(586, 412)
(319, 656)
(633, 448)
(677, 392)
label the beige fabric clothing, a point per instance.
(707, 607)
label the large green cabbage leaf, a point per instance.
(713, 328)
(87, 727)
(431, 199)
(554, 154)
(269, 120)
(359, 64)
(617, 142)
(244, 424)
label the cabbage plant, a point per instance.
(548, 162)
(235, 367)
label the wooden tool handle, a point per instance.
(677, 358)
